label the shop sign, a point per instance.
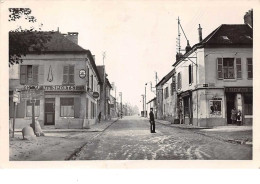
(56, 88)
(239, 89)
(95, 94)
(215, 108)
(82, 73)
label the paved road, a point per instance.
(130, 139)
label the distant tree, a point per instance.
(22, 41)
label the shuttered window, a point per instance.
(190, 74)
(249, 68)
(220, 68)
(87, 76)
(179, 81)
(68, 74)
(29, 74)
(228, 68)
(239, 68)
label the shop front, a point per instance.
(240, 98)
(58, 106)
(185, 107)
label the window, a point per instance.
(239, 68)
(86, 108)
(248, 101)
(249, 68)
(166, 93)
(68, 74)
(179, 80)
(88, 77)
(190, 74)
(67, 107)
(29, 108)
(228, 68)
(92, 83)
(29, 74)
(93, 110)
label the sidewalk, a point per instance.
(57, 144)
(231, 133)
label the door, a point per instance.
(49, 111)
(230, 97)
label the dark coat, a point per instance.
(151, 116)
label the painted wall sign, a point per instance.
(238, 89)
(215, 108)
(57, 88)
(95, 94)
(82, 73)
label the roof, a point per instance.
(166, 78)
(56, 43)
(226, 36)
(108, 83)
(92, 62)
(101, 72)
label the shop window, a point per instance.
(179, 80)
(29, 74)
(248, 102)
(239, 68)
(68, 74)
(249, 68)
(190, 74)
(67, 107)
(29, 108)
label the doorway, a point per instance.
(49, 111)
(230, 98)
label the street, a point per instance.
(130, 139)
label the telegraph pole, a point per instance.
(104, 85)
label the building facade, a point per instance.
(215, 76)
(60, 82)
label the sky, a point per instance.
(139, 37)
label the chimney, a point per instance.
(188, 47)
(248, 18)
(200, 33)
(73, 36)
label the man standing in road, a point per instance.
(152, 122)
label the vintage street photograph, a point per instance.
(130, 80)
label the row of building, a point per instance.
(64, 84)
(210, 79)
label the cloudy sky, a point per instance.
(139, 37)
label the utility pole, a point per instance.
(120, 93)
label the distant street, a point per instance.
(130, 139)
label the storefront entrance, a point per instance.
(49, 111)
(230, 105)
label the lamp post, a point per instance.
(143, 105)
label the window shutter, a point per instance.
(180, 81)
(220, 68)
(71, 74)
(65, 74)
(76, 107)
(239, 68)
(20, 113)
(23, 74)
(35, 69)
(41, 74)
(249, 68)
(87, 76)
